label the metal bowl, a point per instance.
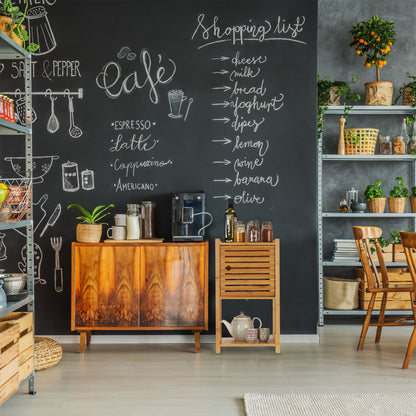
(14, 283)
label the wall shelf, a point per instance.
(367, 215)
(372, 109)
(370, 158)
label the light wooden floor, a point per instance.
(169, 379)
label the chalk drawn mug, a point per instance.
(117, 232)
(176, 99)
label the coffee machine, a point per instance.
(189, 216)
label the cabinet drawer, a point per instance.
(247, 270)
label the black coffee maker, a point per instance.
(188, 216)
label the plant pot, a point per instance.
(376, 205)
(378, 93)
(6, 28)
(334, 98)
(413, 203)
(89, 233)
(408, 98)
(397, 205)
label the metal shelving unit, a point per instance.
(333, 158)
(10, 50)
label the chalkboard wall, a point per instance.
(245, 75)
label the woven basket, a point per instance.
(18, 199)
(48, 353)
(340, 293)
(376, 205)
(408, 98)
(397, 205)
(413, 203)
(360, 141)
(89, 233)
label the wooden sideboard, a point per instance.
(139, 286)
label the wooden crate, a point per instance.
(24, 320)
(387, 253)
(247, 270)
(395, 301)
(9, 359)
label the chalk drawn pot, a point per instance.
(70, 178)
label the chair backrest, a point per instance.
(409, 245)
(376, 278)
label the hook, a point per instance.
(67, 92)
(48, 92)
(17, 91)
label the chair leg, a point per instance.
(381, 317)
(366, 321)
(412, 341)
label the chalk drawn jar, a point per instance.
(70, 177)
(87, 179)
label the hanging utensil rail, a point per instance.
(79, 93)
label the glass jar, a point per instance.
(132, 209)
(148, 219)
(253, 231)
(239, 232)
(398, 145)
(411, 146)
(266, 232)
(385, 145)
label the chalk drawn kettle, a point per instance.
(239, 324)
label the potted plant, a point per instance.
(398, 197)
(372, 40)
(90, 230)
(11, 19)
(374, 196)
(412, 198)
(408, 91)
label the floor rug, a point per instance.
(350, 404)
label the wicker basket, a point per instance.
(397, 205)
(340, 293)
(18, 200)
(413, 203)
(376, 205)
(408, 98)
(89, 233)
(360, 141)
(48, 353)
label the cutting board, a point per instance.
(142, 240)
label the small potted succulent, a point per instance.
(90, 229)
(372, 40)
(374, 195)
(398, 197)
(408, 92)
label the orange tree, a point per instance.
(372, 40)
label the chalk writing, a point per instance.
(129, 168)
(139, 143)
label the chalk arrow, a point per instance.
(222, 197)
(225, 140)
(226, 180)
(220, 58)
(224, 103)
(224, 87)
(224, 119)
(225, 162)
(222, 72)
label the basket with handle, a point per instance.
(18, 199)
(360, 141)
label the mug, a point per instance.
(117, 232)
(264, 334)
(120, 219)
(252, 335)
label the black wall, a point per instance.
(126, 56)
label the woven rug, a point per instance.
(388, 404)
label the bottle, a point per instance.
(385, 145)
(343, 207)
(403, 133)
(230, 219)
(411, 146)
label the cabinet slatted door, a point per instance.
(106, 287)
(173, 286)
(247, 270)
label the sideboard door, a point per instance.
(173, 286)
(105, 287)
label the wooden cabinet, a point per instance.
(129, 286)
(247, 271)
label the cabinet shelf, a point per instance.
(14, 306)
(9, 49)
(367, 215)
(331, 263)
(364, 312)
(372, 109)
(8, 129)
(231, 342)
(15, 224)
(370, 158)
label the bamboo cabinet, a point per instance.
(247, 271)
(130, 286)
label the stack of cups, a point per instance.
(119, 230)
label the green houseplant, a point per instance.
(90, 229)
(11, 23)
(398, 197)
(412, 198)
(407, 91)
(372, 40)
(374, 195)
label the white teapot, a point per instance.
(239, 324)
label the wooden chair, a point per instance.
(409, 245)
(378, 283)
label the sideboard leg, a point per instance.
(82, 339)
(89, 338)
(197, 336)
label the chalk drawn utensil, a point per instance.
(53, 122)
(52, 219)
(190, 101)
(74, 131)
(41, 203)
(41, 166)
(37, 257)
(58, 279)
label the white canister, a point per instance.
(133, 227)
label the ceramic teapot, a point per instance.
(239, 324)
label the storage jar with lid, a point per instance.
(148, 219)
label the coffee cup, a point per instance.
(252, 335)
(117, 232)
(264, 334)
(120, 219)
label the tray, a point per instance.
(18, 296)
(142, 240)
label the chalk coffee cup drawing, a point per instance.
(252, 335)
(117, 232)
(176, 99)
(264, 334)
(120, 219)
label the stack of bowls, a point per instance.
(14, 283)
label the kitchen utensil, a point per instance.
(53, 122)
(13, 282)
(74, 131)
(351, 195)
(117, 232)
(52, 219)
(37, 257)
(40, 167)
(41, 203)
(3, 249)
(40, 31)
(20, 109)
(58, 279)
(238, 326)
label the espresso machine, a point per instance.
(189, 216)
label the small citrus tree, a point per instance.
(372, 40)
